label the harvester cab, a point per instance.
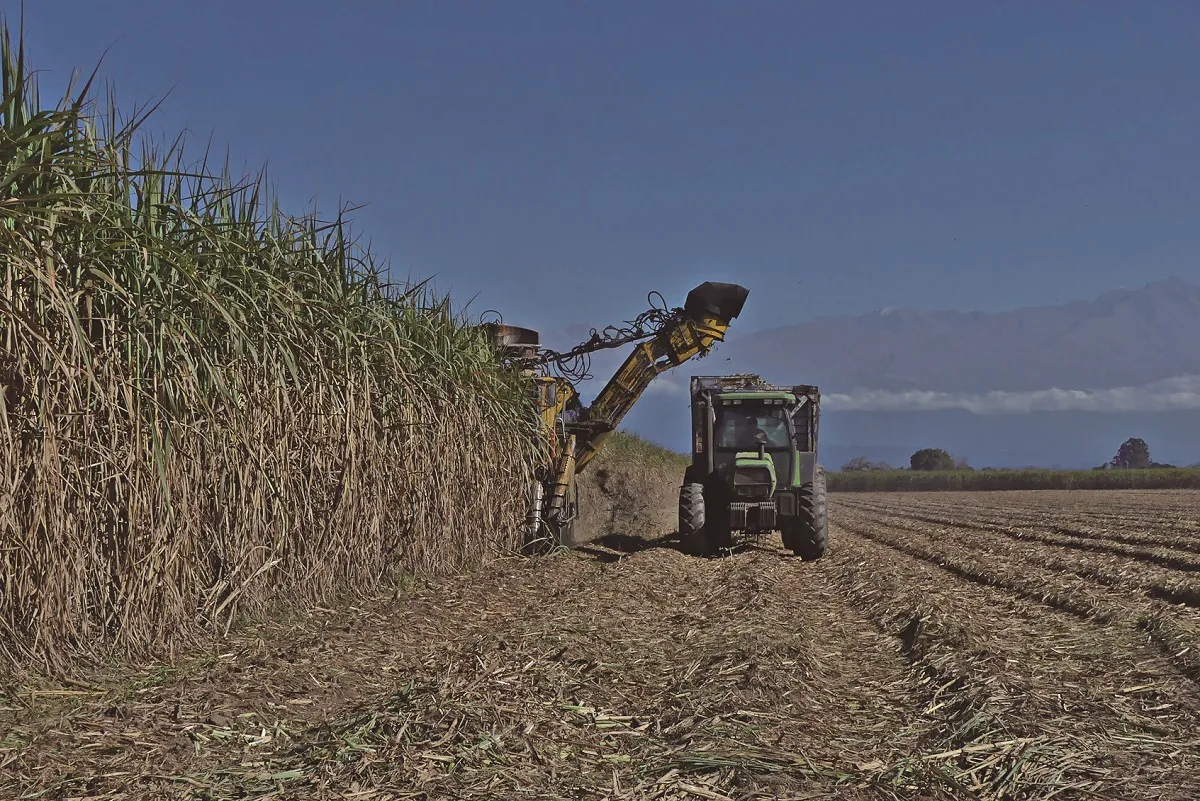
(571, 432)
(754, 466)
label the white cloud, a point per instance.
(1172, 394)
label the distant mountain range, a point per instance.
(1123, 338)
(1057, 385)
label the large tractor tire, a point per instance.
(701, 536)
(808, 535)
(691, 515)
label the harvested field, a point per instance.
(1176, 478)
(969, 645)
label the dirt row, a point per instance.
(917, 660)
(1128, 513)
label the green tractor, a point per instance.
(754, 466)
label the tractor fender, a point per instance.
(806, 468)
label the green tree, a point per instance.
(930, 459)
(1134, 454)
(861, 464)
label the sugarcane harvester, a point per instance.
(572, 433)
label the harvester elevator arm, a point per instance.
(666, 338)
(691, 332)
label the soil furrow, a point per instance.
(1032, 671)
(1097, 605)
(1100, 540)
(1133, 513)
(1028, 553)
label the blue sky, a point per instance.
(559, 161)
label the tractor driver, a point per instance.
(769, 429)
(776, 429)
(748, 430)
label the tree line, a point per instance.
(1133, 454)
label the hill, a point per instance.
(1122, 338)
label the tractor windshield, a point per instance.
(738, 428)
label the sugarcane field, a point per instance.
(700, 406)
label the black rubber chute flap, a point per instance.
(717, 299)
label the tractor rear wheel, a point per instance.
(702, 534)
(808, 535)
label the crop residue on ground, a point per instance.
(991, 645)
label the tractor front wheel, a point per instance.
(701, 534)
(808, 535)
